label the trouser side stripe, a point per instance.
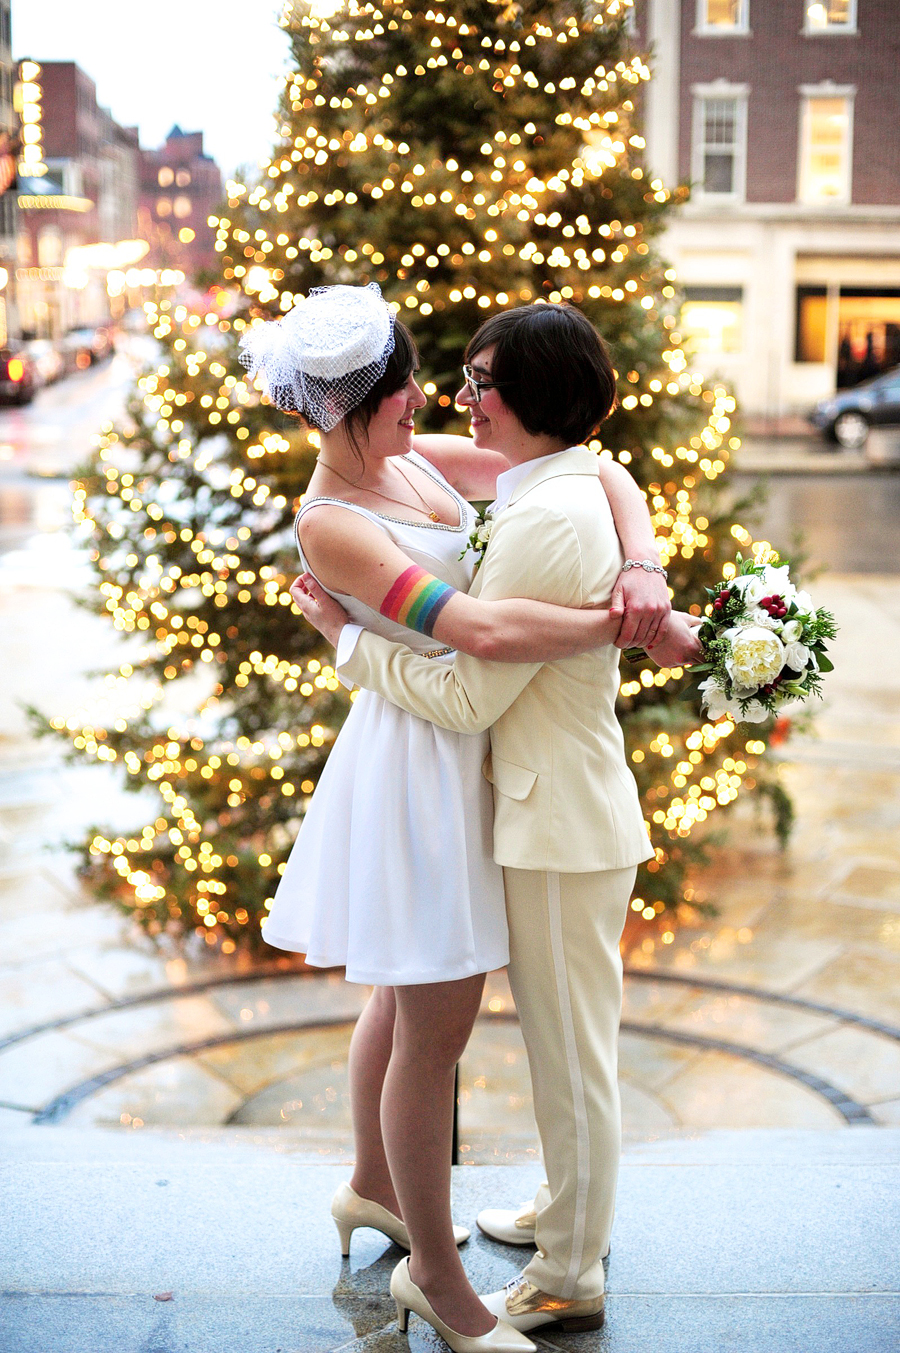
(576, 1082)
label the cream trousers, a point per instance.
(566, 977)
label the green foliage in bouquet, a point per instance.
(467, 157)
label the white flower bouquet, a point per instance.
(763, 643)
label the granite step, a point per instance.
(767, 1241)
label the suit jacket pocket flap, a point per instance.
(516, 782)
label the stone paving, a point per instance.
(752, 1019)
(759, 1241)
(781, 1011)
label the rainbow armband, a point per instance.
(416, 599)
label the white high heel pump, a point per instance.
(350, 1211)
(501, 1339)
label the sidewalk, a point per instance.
(750, 1242)
(806, 453)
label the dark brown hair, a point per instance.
(402, 362)
(553, 369)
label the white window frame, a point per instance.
(826, 90)
(706, 30)
(810, 30)
(720, 89)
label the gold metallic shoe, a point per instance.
(526, 1307)
(350, 1211)
(501, 1339)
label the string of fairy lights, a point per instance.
(497, 204)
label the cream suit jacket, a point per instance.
(564, 798)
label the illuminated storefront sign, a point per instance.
(27, 103)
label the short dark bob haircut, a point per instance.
(401, 364)
(553, 369)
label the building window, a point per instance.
(868, 333)
(723, 16)
(165, 176)
(182, 207)
(825, 147)
(164, 207)
(49, 248)
(857, 328)
(830, 16)
(720, 137)
(712, 319)
(812, 324)
(182, 178)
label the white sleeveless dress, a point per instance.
(392, 874)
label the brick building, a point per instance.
(9, 145)
(89, 195)
(180, 188)
(783, 116)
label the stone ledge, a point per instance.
(764, 1241)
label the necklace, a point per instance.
(387, 498)
(430, 510)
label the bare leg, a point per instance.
(431, 1029)
(370, 1052)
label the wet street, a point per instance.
(780, 1010)
(42, 443)
(846, 523)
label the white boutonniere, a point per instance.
(480, 536)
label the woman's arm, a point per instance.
(471, 471)
(642, 599)
(356, 557)
(678, 648)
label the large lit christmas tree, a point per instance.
(467, 158)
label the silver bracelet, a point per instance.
(646, 564)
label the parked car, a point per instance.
(17, 378)
(46, 359)
(82, 348)
(846, 417)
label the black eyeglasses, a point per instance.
(475, 386)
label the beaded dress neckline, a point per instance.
(422, 465)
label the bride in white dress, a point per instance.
(392, 874)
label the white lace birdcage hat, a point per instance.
(323, 357)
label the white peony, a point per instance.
(757, 656)
(751, 588)
(754, 712)
(716, 701)
(798, 657)
(760, 617)
(777, 582)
